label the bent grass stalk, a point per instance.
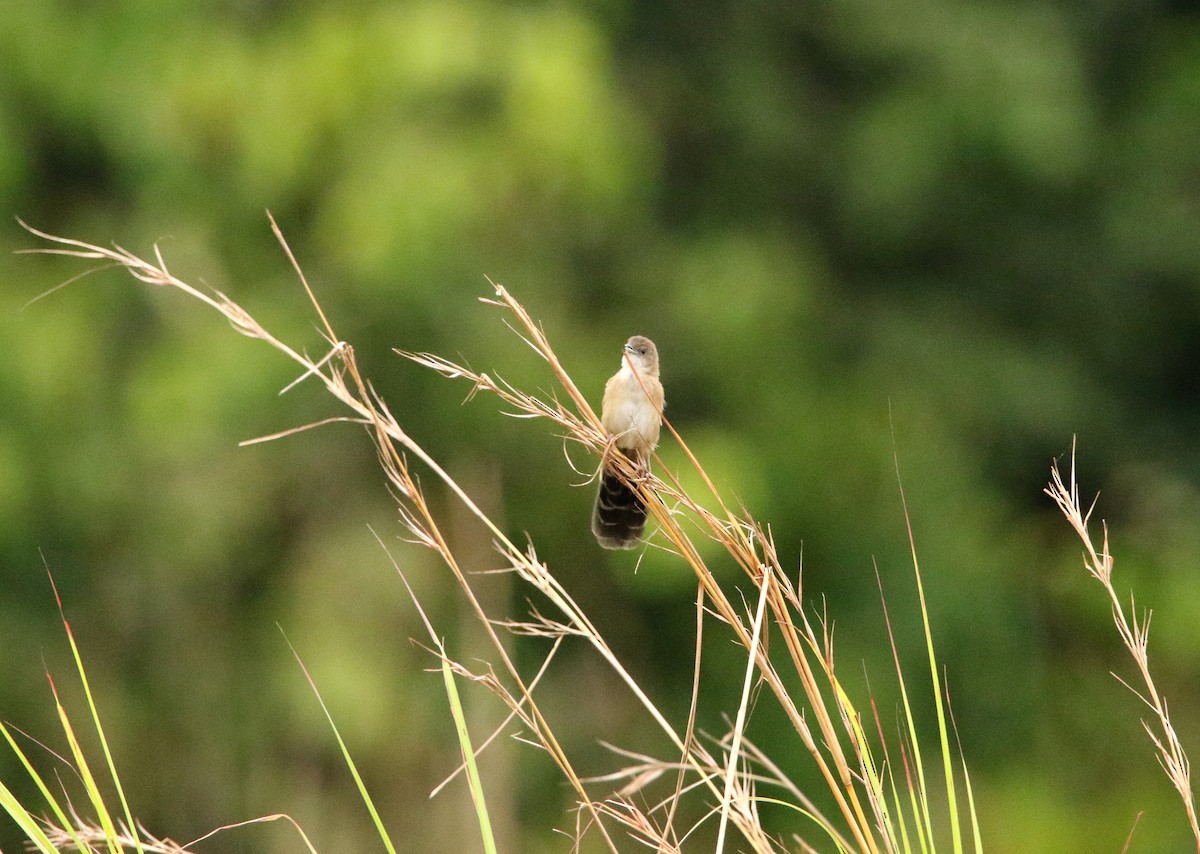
(1134, 634)
(870, 804)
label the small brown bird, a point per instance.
(632, 413)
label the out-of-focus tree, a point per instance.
(960, 233)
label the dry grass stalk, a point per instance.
(1135, 635)
(94, 838)
(825, 720)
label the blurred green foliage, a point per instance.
(960, 233)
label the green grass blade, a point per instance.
(896, 819)
(918, 797)
(358, 780)
(943, 729)
(89, 780)
(28, 824)
(976, 835)
(36, 835)
(870, 769)
(464, 742)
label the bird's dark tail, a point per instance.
(620, 516)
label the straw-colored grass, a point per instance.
(882, 794)
(1135, 635)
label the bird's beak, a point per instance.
(628, 348)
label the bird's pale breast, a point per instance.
(628, 412)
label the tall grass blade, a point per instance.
(358, 781)
(943, 729)
(28, 824)
(89, 780)
(37, 836)
(464, 742)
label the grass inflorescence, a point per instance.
(881, 787)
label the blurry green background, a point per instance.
(960, 232)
